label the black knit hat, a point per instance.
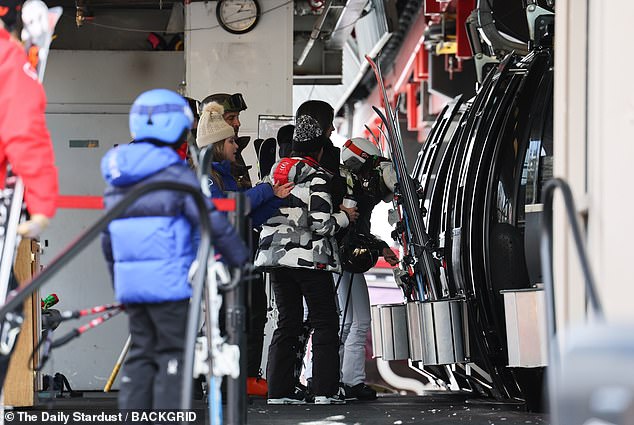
(9, 12)
(308, 135)
(285, 140)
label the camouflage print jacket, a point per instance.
(301, 233)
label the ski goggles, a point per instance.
(234, 103)
(230, 102)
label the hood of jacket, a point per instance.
(295, 170)
(128, 164)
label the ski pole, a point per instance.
(75, 314)
(63, 316)
(50, 344)
(117, 366)
(83, 328)
(345, 309)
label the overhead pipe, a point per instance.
(314, 33)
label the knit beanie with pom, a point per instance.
(212, 127)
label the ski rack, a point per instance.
(84, 239)
(416, 241)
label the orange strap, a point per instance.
(33, 56)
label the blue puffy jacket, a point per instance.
(264, 203)
(150, 249)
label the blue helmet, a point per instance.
(160, 114)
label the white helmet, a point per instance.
(356, 151)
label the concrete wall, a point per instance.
(258, 64)
(89, 97)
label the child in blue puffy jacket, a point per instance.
(152, 246)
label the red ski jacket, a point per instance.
(25, 142)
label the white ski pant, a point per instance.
(355, 328)
(356, 325)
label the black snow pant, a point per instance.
(317, 287)
(151, 376)
(256, 313)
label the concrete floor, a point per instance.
(437, 408)
(433, 408)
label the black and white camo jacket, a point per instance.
(301, 233)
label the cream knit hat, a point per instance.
(212, 127)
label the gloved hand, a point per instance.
(33, 227)
(389, 256)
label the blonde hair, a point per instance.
(217, 155)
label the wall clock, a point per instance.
(238, 16)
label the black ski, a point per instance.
(267, 153)
(415, 240)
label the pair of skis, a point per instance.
(414, 238)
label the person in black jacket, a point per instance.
(369, 180)
(324, 114)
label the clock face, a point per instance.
(238, 16)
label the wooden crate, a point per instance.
(21, 383)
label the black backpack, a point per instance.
(59, 382)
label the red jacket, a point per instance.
(24, 139)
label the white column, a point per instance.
(570, 149)
(611, 153)
(594, 142)
(258, 64)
